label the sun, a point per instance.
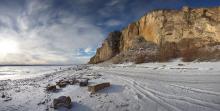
(8, 47)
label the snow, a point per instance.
(21, 72)
(173, 86)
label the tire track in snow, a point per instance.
(152, 94)
(187, 99)
(165, 72)
(156, 77)
(197, 90)
(173, 85)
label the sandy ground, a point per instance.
(173, 86)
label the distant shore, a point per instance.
(38, 64)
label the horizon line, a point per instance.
(37, 64)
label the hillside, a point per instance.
(193, 34)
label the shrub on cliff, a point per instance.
(189, 54)
(167, 51)
(144, 58)
(206, 53)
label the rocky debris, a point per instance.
(83, 82)
(122, 105)
(97, 87)
(62, 83)
(1, 88)
(3, 95)
(44, 101)
(93, 76)
(62, 101)
(8, 99)
(180, 64)
(51, 88)
(73, 81)
(41, 103)
(18, 90)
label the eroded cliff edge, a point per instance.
(161, 33)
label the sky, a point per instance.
(69, 31)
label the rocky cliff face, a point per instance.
(163, 26)
(109, 49)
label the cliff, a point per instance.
(109, 49)
(202, 26)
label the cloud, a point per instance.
(89, 50)
(113, 7)
(48, 36)
(68, 31)
(85, 52)
(112, 3)
(113, 22)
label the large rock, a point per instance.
(83, 82)
(62, 83)
(162, 26)
(51, 87)
(97, 87)
(62, 101)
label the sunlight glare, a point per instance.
(8, 47)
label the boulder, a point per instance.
(62, 101)
(83, 82)
(97, 87)
(8, 99)
(180, 64)
(72, 81)
(62, 83)
(51, 87)
(3, 95)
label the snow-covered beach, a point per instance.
(173, 86)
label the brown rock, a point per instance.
(62, 83)
(8, 99)
(72, 81)
(3, 95)
(51, 88)
(180, 64)
(62, 101)
(83, 82)
(97, 87)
